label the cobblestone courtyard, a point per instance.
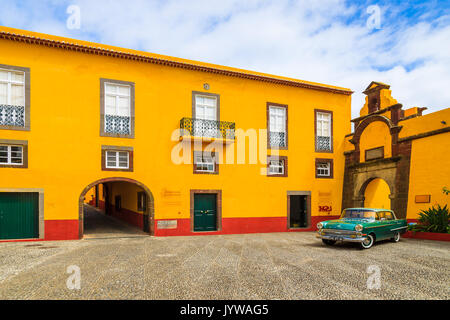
(254, 266)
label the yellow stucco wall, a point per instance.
(430, 168)
(430, 172)
(128, 193)
(65, 145)
(425, 123)
(89, 195)
(375, 135)
(377, 194)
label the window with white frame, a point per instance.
(11, 155)
(117, 99)
(204, 162)
(324, 168)
(117, 107)
(12, 98)
(12, 88)
(277, 167)
(323, 131)
(277, 129)
(205, 122)
(117, 159)
(205, 107)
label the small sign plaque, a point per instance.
(376, 153)
(167, 224)
(425, 198)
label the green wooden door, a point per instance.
(19, 215)
(205, 212)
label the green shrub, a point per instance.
(435, 219)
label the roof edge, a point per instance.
(166, 62)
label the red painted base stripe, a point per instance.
(68, 229)
(427, 236)
(61, 229)
(241, 225)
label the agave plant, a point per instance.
(434, 219)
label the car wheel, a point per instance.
(368, 242)
(396, 237)
(328, 242)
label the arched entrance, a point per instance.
(117, 193)
(377, 194)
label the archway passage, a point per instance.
(115, 207)
(376, 194)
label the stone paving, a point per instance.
(98, 225)
(292, 265)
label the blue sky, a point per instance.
(328, 41)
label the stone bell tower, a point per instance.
(378, 96)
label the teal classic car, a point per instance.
(362, 225)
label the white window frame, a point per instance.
(277, 166)
(9, 157)
(324, 119)
(277, 124)
(277, 119)
(117, 156)
(205, 106)
(325, 169)
(10, 82)
(117, 97)
(205, 163)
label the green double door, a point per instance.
(19, 215)
(205, 212)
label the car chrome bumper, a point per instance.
(341, 237)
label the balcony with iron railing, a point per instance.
(12, 115)
(209, 129)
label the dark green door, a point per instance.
(19, 215)
(205, 212)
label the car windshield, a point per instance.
(358, 214)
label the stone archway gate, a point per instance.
(393, 170)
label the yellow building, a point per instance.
(180, 147)
(130, 132)
(396, 159)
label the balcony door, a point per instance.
(206, 122)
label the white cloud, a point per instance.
(325, 41)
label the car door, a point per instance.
(388, 223)
(382, 226)
(376, 227)
(396, 224)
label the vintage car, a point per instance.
(362, 225)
